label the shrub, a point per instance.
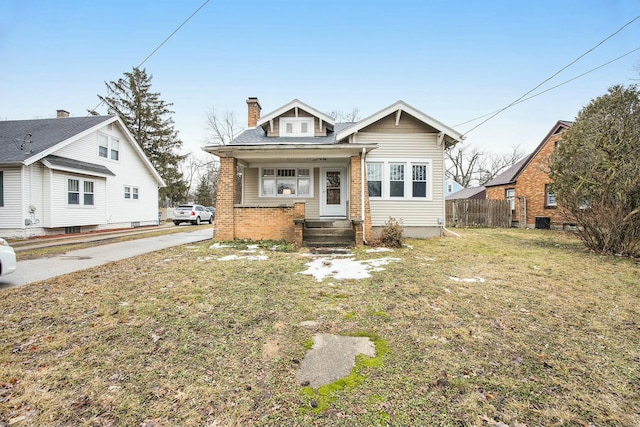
(392, 234)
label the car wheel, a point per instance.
(176, 222)
(197, 222)
(211, 219)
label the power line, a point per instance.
(163, 42)
(554, 87)
(552, 76)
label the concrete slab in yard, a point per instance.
(331, 358)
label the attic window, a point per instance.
(296, 126)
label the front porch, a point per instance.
(248, 214)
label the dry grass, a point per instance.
(550, 337)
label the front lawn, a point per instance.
(520, 327)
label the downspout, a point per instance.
(362, 176)
(444, 213)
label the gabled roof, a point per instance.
(292, 105)
(24, 142)
(465, 193)
(23, 139)
(449, 135)
(510, 176)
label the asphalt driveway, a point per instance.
(33, 270)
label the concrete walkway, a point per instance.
(34, 270)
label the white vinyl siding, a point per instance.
(412, 149)
(11, 213)
(1, 189)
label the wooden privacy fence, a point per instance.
(478, 213)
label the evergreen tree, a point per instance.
(204, 192)
(596, 174)
(148, 118)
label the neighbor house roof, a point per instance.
(511, 175)
(24, 142)
(22, 139)
(465, 193)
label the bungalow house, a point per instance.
(306, 178)
(528, 187)
(73, 174)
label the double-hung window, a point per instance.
(549, 197)
(285, 182)
(510, 195)
(108, 147)
(374, 179)
(400, 179)
(131, 193)
(80, 193)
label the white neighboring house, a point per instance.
(73, 174)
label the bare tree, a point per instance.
(462, 164)
(469, 166)
(224, 127)
(345, 117)
(195, 167)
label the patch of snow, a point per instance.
(467, 280)
(219, 246)
(341, 269)
(206, 258)
(408, 246)
(376, 250)
(248, 257)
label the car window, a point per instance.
(184, 207)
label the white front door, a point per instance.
(333, 196)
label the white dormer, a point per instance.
(296, 126)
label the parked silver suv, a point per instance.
(195, 214)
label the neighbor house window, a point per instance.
(286, 182)
(374, 179)
(550, 196)
(296, 126)
(108, 147)
(1, 188)
(73, 191)
(510, 195)
(88, 193)
(131, 193)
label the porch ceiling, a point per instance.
(313, 152)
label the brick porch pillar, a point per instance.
(226, 198)
(355, 207)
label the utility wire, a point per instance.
(552, 76)
(162, 44)
(554, 87)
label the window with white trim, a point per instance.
(296, 126)
(131, 193)
(286, 182)
(400, 179)
(108, 147)
(86, 197)
(374, 179)
(510, 195)
(396, 179)
(549, 197)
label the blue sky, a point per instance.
(453, 60)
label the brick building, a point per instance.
(528, 187)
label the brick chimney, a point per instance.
(61, 114)
(254, 112)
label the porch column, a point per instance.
(226, 198)
(355, 206)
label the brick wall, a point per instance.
(225, 199)
(531, 184)
(355, 207)
(267, 223)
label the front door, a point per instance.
(333, 202)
